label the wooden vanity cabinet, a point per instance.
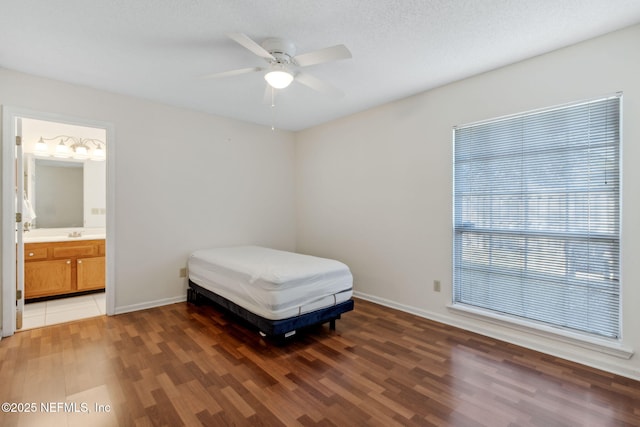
(57, 268)
(90, 273)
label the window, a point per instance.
(537, 216)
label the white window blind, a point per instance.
(537, 216)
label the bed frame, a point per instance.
(282, 328)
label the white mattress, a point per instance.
(271, 283)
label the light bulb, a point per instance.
(61, 150)
(41, 148)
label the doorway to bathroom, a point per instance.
(60, 188)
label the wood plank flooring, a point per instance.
(186, 365)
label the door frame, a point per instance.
(9, 115)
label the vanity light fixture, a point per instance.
(72, 146)
(98, 153)
(41, 148)
(80, 151)
(61, 150)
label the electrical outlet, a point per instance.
(436, 285)
(183, 272)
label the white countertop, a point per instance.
(61, 238)
(40, 235)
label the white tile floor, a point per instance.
(46, 313)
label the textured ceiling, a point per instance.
(160, 49)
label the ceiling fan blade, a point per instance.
(328, 54)
(318, 85)
(232, 73)
(248, 43)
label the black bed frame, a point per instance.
(273, 328)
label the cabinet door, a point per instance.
(90, 273)
(42, 278)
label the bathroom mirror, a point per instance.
(58, 193)
(66, 193)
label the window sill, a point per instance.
(607, 346)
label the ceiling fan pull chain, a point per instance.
(273, 109)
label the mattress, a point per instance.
(271, 283)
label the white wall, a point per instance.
(184, 180)
(375, 189)
(94, 193)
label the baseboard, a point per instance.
(522, 339)
(406, 308)
(150, 304)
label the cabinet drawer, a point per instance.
(74, 251)
(33, 254)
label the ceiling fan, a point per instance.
(283, 63)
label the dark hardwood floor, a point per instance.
(186, 365)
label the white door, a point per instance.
(19, 183)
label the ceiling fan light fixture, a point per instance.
(278, 79)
